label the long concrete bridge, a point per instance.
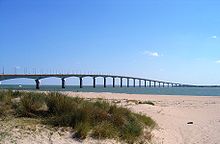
(63, 77)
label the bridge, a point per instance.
(63, 77)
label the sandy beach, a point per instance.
(180, 120)
(172, 113)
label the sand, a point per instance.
(172, 113)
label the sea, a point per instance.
(187, 91)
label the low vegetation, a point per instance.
(147, 102)
(98, 119)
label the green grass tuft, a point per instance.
(31, 103)
(148, 121)
(105, 130)
(99, 118)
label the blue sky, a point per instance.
(159, 39)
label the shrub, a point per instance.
(5, 102)
(99, 118)
(131, 130)
(59, 104)
(82, 130)
(5, 97)
(118, 115)
(31, 103)
(105, 130)
(146, 120)
(4, 109)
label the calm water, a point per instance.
(197, 91)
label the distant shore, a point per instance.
(183, 91)
(180, 119)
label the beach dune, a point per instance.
(180, 119)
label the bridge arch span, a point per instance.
(51, 79)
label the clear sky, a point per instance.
(174, 40)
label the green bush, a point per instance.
(59, 104)
(99, 118)
(131, 130)
(31, 104)
(5, 97)
(146, 120)
(105, 130)
(4, 109)
(6, 102)
(82, 130)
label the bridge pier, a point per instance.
(80, 82)
(139, 83)
(113, 82)
(94, 82)
(37, 84)
(168, 85)
(149, 83)
(134, 82)
(163, 84)
(127, 82)
(121, 82)
(104, 82)
(154, 83)
(159, 84)
(63, 83)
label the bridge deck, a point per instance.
(38, 77)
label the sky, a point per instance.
(169, 40)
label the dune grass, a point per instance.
(5, 101)
(98, 119)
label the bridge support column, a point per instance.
(149, 83)
(80, 82)
(163, 84)
(168, 85)
(113, 82)
(37, 84)
(159, 84)
(154, 83)
(104, 82)
(134, 82)
(94, 82)
(172, 85)
(63, 83)
(127, 82)
(145, 83)
(139, 83)
(121, 82)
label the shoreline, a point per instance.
(180, 91)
